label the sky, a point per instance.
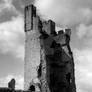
(75, 14)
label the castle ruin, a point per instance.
(49, 64)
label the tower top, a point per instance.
(49, 26)
(31, 8)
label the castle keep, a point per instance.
(49, 64)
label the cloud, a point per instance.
(7, 5)
(84, 31)
(84, 35)
(27, 2)
(19, 81)
(66, 12)
(12, 37)
(83, 69)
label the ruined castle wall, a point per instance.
(48, 57)
(32, 46)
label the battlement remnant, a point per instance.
(49, 64)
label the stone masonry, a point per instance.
(49, 64)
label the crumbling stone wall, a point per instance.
(49, 64)
(11, 84)
(32, 46)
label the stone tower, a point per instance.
(49, 64)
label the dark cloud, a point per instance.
(6, 16)
(27, 2)
(19, 5)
